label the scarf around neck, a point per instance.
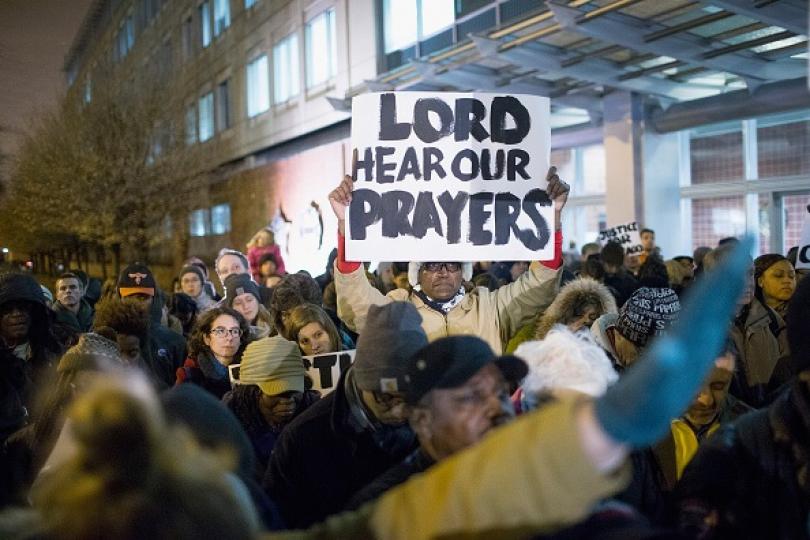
(441, 307)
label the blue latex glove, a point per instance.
(660, 386)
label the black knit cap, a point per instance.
(237, 284)
(136, 279)
(451, 361)
(192, 269)
(18, 286)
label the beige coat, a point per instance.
(494, 316)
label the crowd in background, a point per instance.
(119, 418)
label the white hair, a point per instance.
(566, 361)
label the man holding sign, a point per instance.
(444, 181)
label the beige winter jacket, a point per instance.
(494, 316)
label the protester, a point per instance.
(270, 394)
(217, 342)
(679, 275)
(267, 267)
(192, 283)
(355, 433)
(617, 277)
(759, 335)
(242, 295)
(207, 285)
(27, 450)
(653, 272)
(446, 308)
(131, 476)
(70, 306)
(560, 363)
(131, 331)
(458, 392)
(229, 262)
(750, 479)
(263, 243)
(648, 244)
(29, 349)
(775, 280)
(313, 330)
(328, 275)
(648, 313)
(294, 290)
(136, 284)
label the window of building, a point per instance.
(223, 106)
(186, 36)
(258, 86)
(407, 21)
(584, 168)
(717, 156)
(191, 124)
(250, 3)
(321, 48)
(593, 168)
(206, 115)
(794, 214)
(88, 91)
(285, 69)
(125, 39)
(783, 148)
(716, 218)
(221, 219)
(205, 23)
(222, 16)
(200, 222)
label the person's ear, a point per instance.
(420, 419)
(207, 340)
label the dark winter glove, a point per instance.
(638, 409)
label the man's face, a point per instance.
(387, 407)
(230, 264)
(277, 410)
(142, 300)
(648, 240)
(440, 281)
(712, 394)
(69, 292)
(453, 419)
(15, 320)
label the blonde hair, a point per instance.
(263, 237)
(304, 314)
(676, 272)
(134, 477)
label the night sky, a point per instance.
(35, 35)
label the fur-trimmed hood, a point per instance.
(571, 299)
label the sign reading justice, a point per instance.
(450, 177)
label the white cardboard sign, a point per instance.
(626, 234)
(323, 369)
(803, 256)
(450, 177)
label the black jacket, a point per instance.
(747, 475)
(80, 322)
(418, 461)
(166, 348)
(320, 461)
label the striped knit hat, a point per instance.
(274, 365)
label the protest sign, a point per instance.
(450, 177)
(323, 369)
(803, 256)
(627, 235)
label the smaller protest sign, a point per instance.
(626, 234)
(803, 256)
(325, 369)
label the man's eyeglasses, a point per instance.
(436, 266)
(221, 332)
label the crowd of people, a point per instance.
(596, 395)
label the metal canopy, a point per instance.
(673, 51)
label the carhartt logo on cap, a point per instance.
(389, 385)
(137, 276)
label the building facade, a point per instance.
(692, 118)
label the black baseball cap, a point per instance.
(451, 361)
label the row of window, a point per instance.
(211, 113)
(210, 221)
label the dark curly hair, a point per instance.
(196, 343)
(124, 317)
(292, 291)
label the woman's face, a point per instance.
(313, 339)
(589, 315)
(778, 282)
(224, 338)
(247, 305)
(191, 284)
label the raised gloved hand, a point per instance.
(638, 409)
